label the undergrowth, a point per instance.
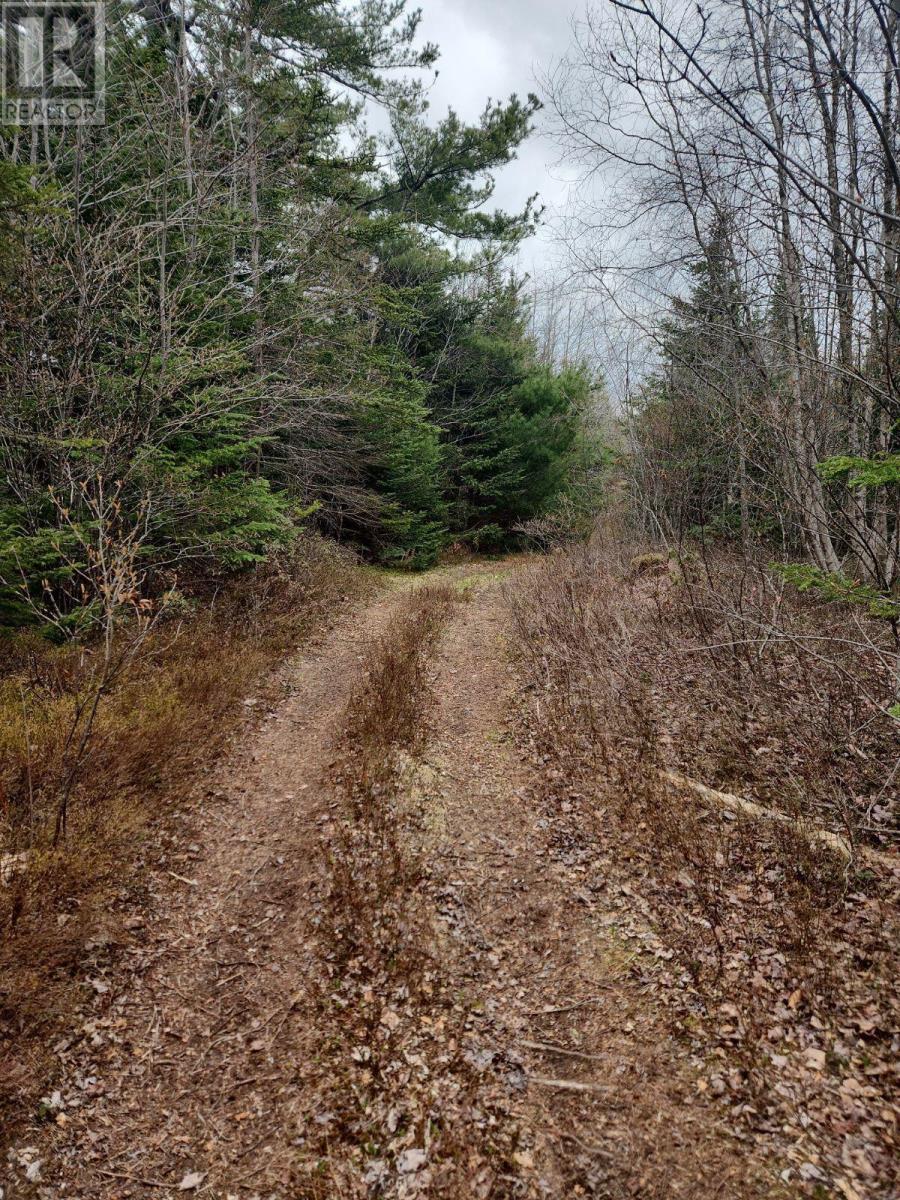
(636, 662)
(170, 712)
(371, 869)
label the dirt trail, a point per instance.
(185, 1076)
(611, 1098)
(186, 1065)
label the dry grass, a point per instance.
(784, 955)
(167, 717)
(395, 1085)
(372, 872)
(717, 670)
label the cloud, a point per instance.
(490, 49)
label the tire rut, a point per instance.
(195, 1066)
(608, 1101)
(184, 1066)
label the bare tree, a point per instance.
(779, 123)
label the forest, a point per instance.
(450, 649)
(750, 231)
(229, 319)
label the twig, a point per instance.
(600, 1151)
(192, 1002)
(550, 1048)
(153, 1183)
(568, 1085)
(183, 879)
(250, 1079)
(546, 1012)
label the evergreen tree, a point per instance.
(695, 415)
(233, 308)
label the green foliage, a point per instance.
(851, 471)
(487, 539)
(833, 586)
(435, 173)
(404, 468)
(16, 196)
(260, 321)
(519, 449)
(854, 472)
(510, 431)
(697, 415)
(31, 560)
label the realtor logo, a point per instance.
(53, 63)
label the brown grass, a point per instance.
(372, 871)
(634, 662)
(393, 1074)
(167, 717)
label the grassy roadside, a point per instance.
(156, 732)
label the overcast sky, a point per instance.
(491, 48)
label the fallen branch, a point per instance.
(183, 879)
(748, 808)
(561, 1008)
(150, 1183)
(550, 1048)
(568, 1085)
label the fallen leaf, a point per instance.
(411, 1160)
(390, 1019)
(809, 1171)
(848, 1190)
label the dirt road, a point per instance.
(199, 1068)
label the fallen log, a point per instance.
(748, 808)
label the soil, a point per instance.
(184, 1075)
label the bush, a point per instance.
(169, 712)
